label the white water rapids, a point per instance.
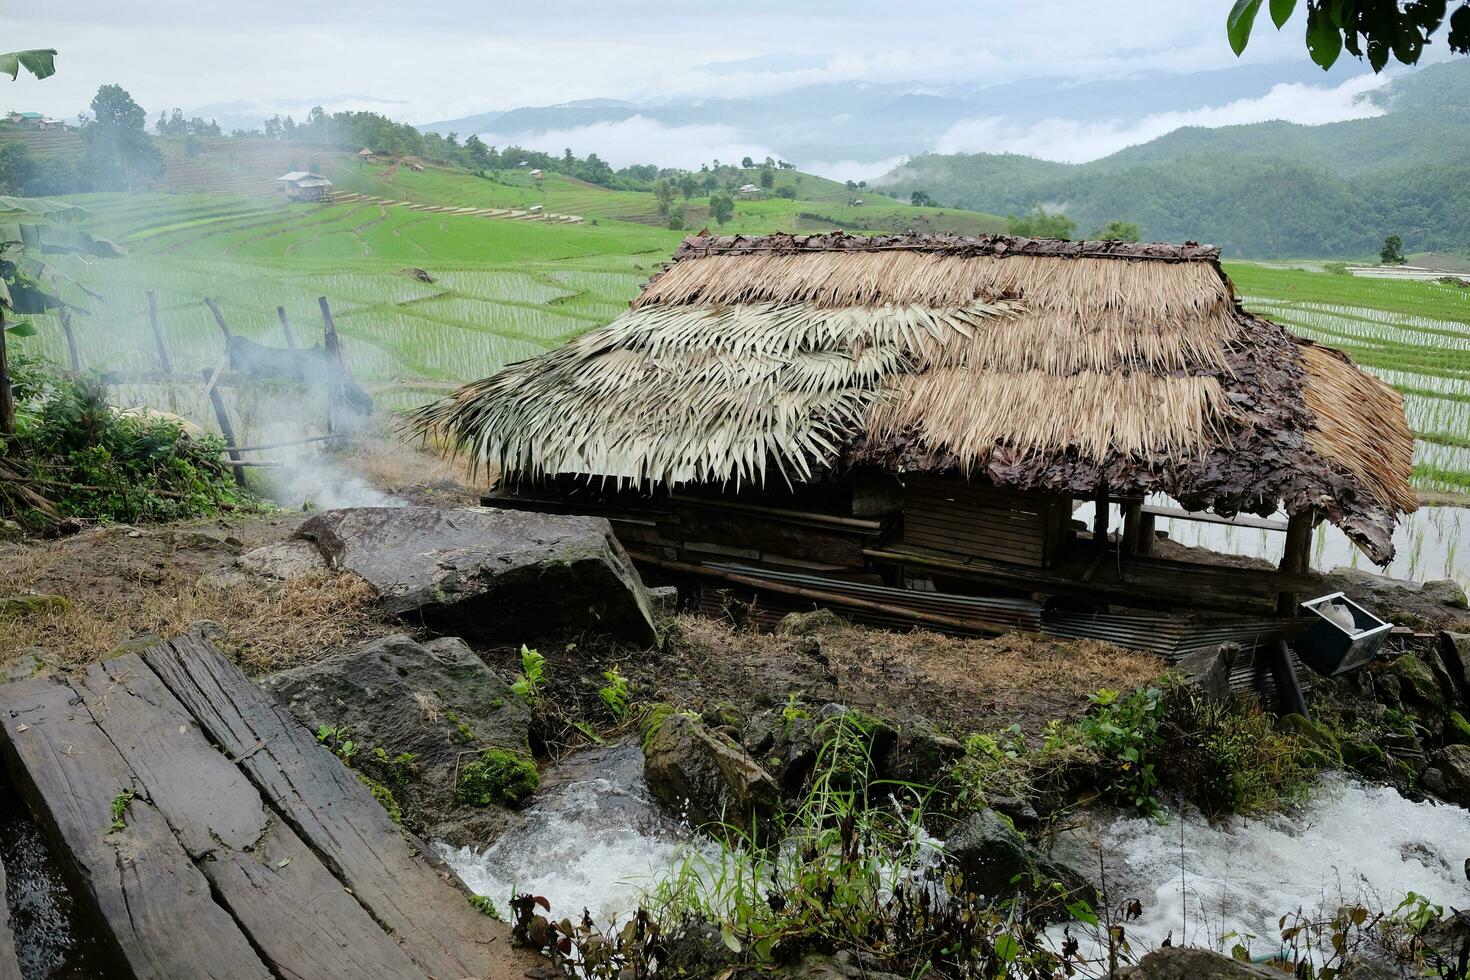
(595, 839)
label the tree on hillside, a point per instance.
(768, 179)
(676, 220)
(921, 199)
(1375, 28)
(1392, 252)
(688, 185)
(664, 193)
(746, 163)
(120, 155)
(477, 152)
(721, 208)
(1038, 223)
(1118, 231)
(709, 182)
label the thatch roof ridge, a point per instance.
(704, 244)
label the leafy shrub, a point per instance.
(1124, 728)
(1234, 759)
(497, 776)
(533, 676)
(614, 694)
(91, 462)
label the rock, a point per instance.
(489, 574)
(1446, 941)
(707, 776)
(815, 966)
(1419, 688)
(1448, 775)
(1457, 728)
(437, 702)
(663, 601)
(809, 623)
(1208, 671)
(1430, 605)
(27, 604)
(283, 560)
(30, 663)
(1180, 963)
(923, 755)
(1367, 970)
(11, 532)
(991, 853)
(1454, 651)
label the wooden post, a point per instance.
(219, 318)
(1132, 525)
(286, 327)
(7, 397)
(1296, 557)
(334, 359)
(1100, 520)
(1147, 533)
(1289, 695)
(225, 428)
(163, 361)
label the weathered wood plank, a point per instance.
(152, 899)
(424, 905)
(298, 916)
(9, 965)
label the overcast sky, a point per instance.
(438, 59)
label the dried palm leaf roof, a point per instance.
(1032, 363)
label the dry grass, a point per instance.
(1361, 425)
(122, 583)
(961, 684)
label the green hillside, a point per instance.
(1269, 190)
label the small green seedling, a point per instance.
(120, 804)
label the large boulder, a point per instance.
(1181, 963)
(1448, 774)
(489, 574)
(991, 855)
(706, 776)
(1422, 605)
(450, 730)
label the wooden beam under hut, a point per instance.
(1296, 558)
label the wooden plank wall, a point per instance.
(952, 515)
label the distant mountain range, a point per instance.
(870, 123)
(1267, 190)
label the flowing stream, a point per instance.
(595, 839)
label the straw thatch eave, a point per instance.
(1034, 364)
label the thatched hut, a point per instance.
(865, 406)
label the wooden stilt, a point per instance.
(286, 327)
(225, 428)
(1132, 525)
(163, 361)
(1288, 687)
(1100, 520)
(1296, 558)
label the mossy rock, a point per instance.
(498, 776)
(1457, 729)
(28, 605)
(1363, 757)
(1418, 685)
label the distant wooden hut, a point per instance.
(365, 154)
(749, 192)
(301, 185)
(831, 414)
(538, 175)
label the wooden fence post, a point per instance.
(286, 327)
(225, 428)
(1296, 557)
(163, 361)
(334, 363)
(219, 318)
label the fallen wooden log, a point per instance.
(426, 908)
(152, 900)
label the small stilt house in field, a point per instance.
(909, 422)
(301, 185)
